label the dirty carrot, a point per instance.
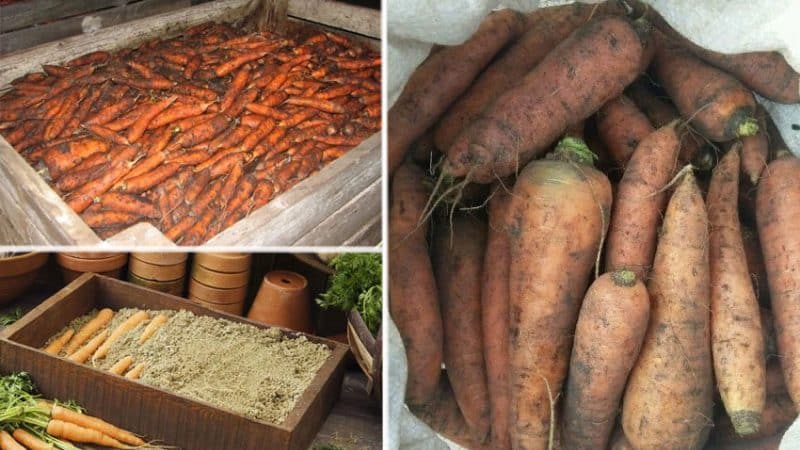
(140, 125)
(177, 112)
(322, 105)
(142, 183)
(235, 88)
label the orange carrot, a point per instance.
(121, 329)
(54, 348)
(266, 111)
(90, 328)
(77, 433)
(109, 135)
(7, 442)
(177, 112)
(63, 157)
(136, 372)
(196, 91)
(238, 105)
(235, 88)
(83, 353)
(66, 415)
(142, 183)
(121, 366)
(98, 219)
(137, 129)
(322, 105)
(30, 441)
(152, 327)
(202, 131)
(110, 113)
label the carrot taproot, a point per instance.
(136, 372)
(633, 231)
(111, 112)
(128, 119)
(30, 441)
(177, 112)
(495, 312)
(555, 230)
(235, 88)
(157, 322)
(238, 105)
(243, 193)
(58, 123)
(83, 353)
(200, 92)
(100, 320)
(457, 265)
(622, 126)
(124, 327)
(358, 64)
(736, 340)
(93, 423)
(201, 131)
(63, 157)
(717, 103)
(197, 208)
(610, 330)
(755, 149)
(121, 366)
(668, 400)
(146, 181)
(138, 128)
(105, 218)
(196, 234)
(240, 60)
(7, 442)
(263, 129)
(777, 215)
(298, 118)
(158, 83)
(78, 177)
(338, 140)
(507, 136)
(266, 111)
(80, 434)
(322, 105)
(425, 96)
(126, 202)
(142, 69)
(89, 58)
(109, 135)
(54, 348)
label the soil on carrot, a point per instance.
(259, 373)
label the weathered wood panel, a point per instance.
(356, 19)
(59, 29)
(30, 12)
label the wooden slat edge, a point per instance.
(357, 19)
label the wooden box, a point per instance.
(339, 205)
(152, 412)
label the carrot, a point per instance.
(97, 219)
(58, 123)
(736, 341)
(632, 234)
(136, 372)
(119, 201)
(257, 135)
(177, 112)
(30, 441)
(622, 126)
(83, 353)
(196, 233)
(755, 149)
(66, 415)
(7, 442)
(238, 105)
(77, 433)
(555, 229)
(240, 60)
(523, 121)
(547, 27)
(611, 327)
(414, 303)
(201, 131)
(777, 215)
(152, 327)
(668, 400)
(54, 348)
(718, 104)
(146, 181)
(458, 262)
(128, 119)
(63, 157)
(235, 88)
(322, 105)
(143, 121)
(104, 133)
(197, 209)
(267, 111)
(126, 326)
(159, 83)
(100, 320)
(442, 78)
(242, 194)
(89, 58)
(121, 366)
(196, 91)
(120, 165)
(494, 312)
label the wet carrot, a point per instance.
(235, 88)
(144, 182)
(138, 128)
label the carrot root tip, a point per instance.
(625, 278)
(745, 422)
(748, 127)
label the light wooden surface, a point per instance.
(339, 205)
(50, 25)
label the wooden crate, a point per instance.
(153, 412)
(339, 205)
(33, 22)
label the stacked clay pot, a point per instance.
(219, 281)
(165, 272)
(283, 301)
(17, 274)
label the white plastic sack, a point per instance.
(728, 26)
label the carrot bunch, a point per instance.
(575, 243)
(28, 421)
(238, 116)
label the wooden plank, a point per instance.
(35, 213)
(28, 37)
(293, 214)
(370, 235)
(142, 234)
(27, 13)
(357, 19)
(128, 34)
(348, 220)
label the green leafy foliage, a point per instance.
(9, 318)
(356, 283)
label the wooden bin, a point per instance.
(152, 412)
(338, 205)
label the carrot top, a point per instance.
(573, 149)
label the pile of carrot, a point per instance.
(94, 339)
(193, 132)
(593, 237)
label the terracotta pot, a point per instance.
(283, 300)
(153, 272)
(17, 274)
(161, 258)
(231, 308)
(216, 295)
(220, 279)
(174, 287)
(224, 262)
